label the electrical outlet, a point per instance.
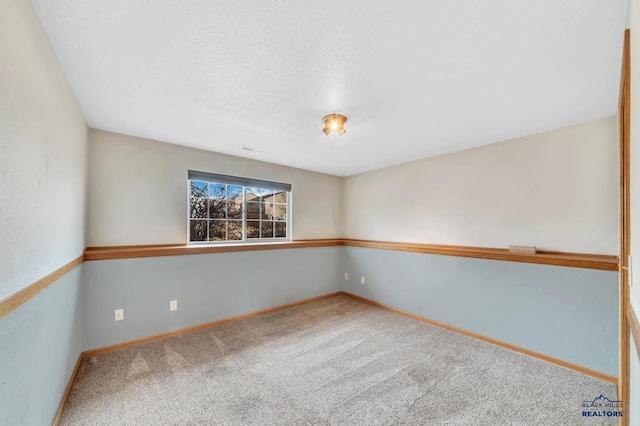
(173, 305)
(119, 314)
(362, 280)
(346, 276)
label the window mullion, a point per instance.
(244, 214)
(208, 211)
(225, 200)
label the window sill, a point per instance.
(237, 243)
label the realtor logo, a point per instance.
(601, 406)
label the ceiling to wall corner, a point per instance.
(414, 78)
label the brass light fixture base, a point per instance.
(334, 122)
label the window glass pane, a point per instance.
(259, 194)
(280, 197)
(253, 194)
(198, 189)
(267, 194)
(253, 210)
(280, 212)
(217, 230)
(267, 229)
(234, 230)
(281, 229)
(217, 208)
(198, 230)
(217, 190)
(253, 229)
(234, 210)
(266, 212)
(198, 208)
(234, 192)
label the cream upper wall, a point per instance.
(43, 138)
(138, 190)
(555, 190)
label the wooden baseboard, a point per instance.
(509, 346)
(154, 338)
(157, 337)
(137, 342)
(67, 392)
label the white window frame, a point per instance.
(244, 240)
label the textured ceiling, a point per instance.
(415, 78)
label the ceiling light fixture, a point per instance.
(334, 122)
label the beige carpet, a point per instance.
(332, 362)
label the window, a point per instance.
(234, 209)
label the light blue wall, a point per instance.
(208, 287)
(39, 345)
(566, 313)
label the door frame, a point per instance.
(624, 117)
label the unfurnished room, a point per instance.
(319, 213)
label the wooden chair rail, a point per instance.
(575, 260)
